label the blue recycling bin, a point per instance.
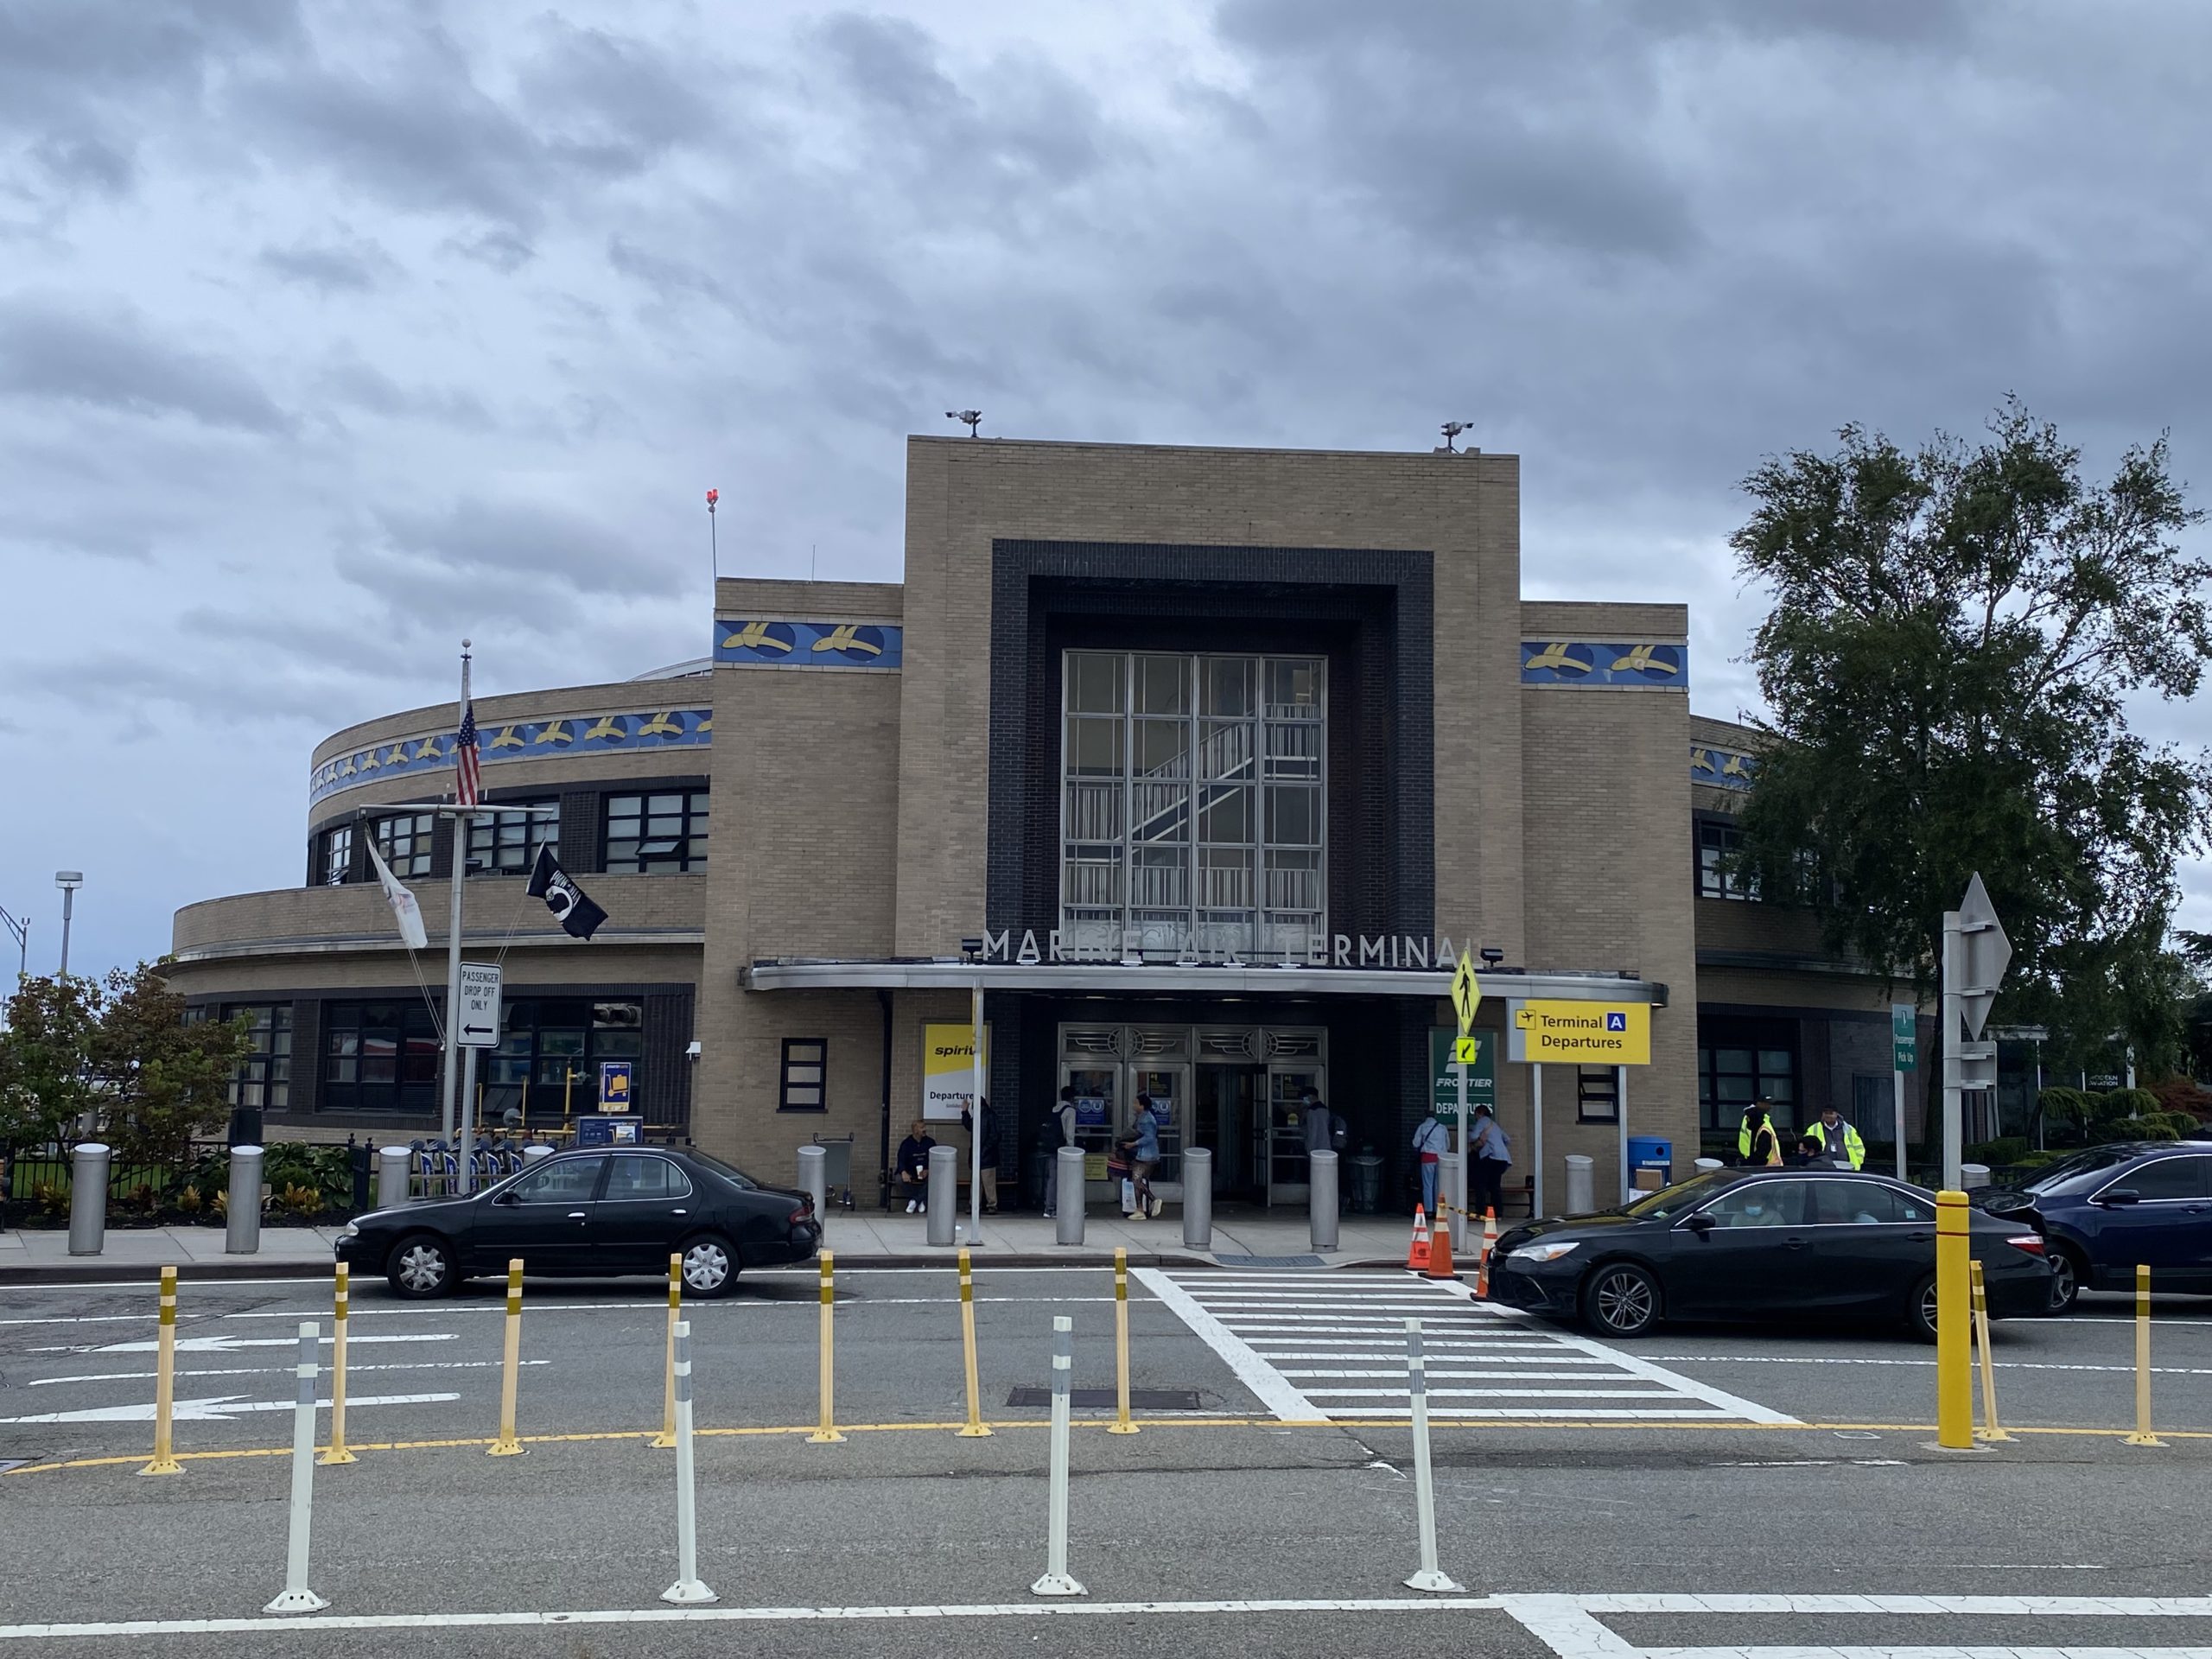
(1652, 1152)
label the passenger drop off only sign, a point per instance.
(1589, 1033)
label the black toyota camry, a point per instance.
(592, 1213)
(1761, 1243)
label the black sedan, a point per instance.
(592, 1213)
(1758, 1244)
(2111, 1209)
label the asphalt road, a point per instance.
(1221, 1505)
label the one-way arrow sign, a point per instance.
(479, 1005)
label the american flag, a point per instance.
(469, 788)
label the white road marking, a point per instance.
(1254, 1332)
(285, 1370)
(227, 1345)
(221, 1409)
(2002, 1365)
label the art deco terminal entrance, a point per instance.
(1233, 1089)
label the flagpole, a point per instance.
(447, 1119)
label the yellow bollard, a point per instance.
(337, 1451)
(666, 1439)
(973, 1429)
(507, 1445)
(2142, 1436)
(165, 1461)
(827, 1434)
(1122, 1425)
(1991, 1429)
(1954, 1369)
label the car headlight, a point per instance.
(1551, 1252)
(352, 1230)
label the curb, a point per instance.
(94, 1270)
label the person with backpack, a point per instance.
(1144, 1158)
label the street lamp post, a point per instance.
(19, 928)
(68, 881)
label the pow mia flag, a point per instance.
(571, 908)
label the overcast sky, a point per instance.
(331, 334)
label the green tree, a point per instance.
(1954, 637)
(46, 1058)
(160, 1080)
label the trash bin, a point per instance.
(1366, 1182)
(1651, 1151)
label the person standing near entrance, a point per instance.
(987, 1153)
(1430, 1141)
(1838, 1138)
(1317, 1121)
(1059, 1131)
(1758, 1142)
(1493, 1156)
(1145, 1157)
(914, 1168)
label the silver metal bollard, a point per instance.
(1705, 1165)
(814, 1177)
(1197, 1197)
(1321, 1199)
(1429, 1575)
(1056, 1581)
(944, 1194)
(1973, 1175)
(296, 1596)
(536, 1154)
(242, 1225)
(392, 1165)
(687, 1589)
(1581, 1186)
(88, 1166)
(1068, 1203)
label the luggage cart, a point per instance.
(836, 1168)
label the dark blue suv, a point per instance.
(2104, 1212)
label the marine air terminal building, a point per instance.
(1206, 764)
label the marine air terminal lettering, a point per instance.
(1400, 950)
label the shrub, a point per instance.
(52, 1197)
(189, 1201)
(2183, 1124)
(2126, 1102)
(2180, 1095)
(2006, 1150)
(2038, 1159)
(327, 1170)
(2133, 1129)
(297, 1200)
(2068, 1107)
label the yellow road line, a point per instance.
(801, 1430)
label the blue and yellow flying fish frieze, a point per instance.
(1559, 662)
(518, 739)
(774, 642)
(1722, 768)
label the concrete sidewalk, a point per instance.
(859, 1239)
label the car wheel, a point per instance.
(1620, 1299)
(710, 1265)
(1920, 1309)
(2065, 1279)
(421, 1266)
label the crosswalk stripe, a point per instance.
(1349, 1331)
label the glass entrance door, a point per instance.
(1284, 1148)
(1096, 1089)
(1170, 1089)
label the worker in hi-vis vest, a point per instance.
(1757, 1143)
(1838, 1138)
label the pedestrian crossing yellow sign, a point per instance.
(1466, 995)
(1464, 1050)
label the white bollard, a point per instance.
(1430, 1577)
(687, 1587)
(1056, 1581)
(297, 1597)
(393, 1166)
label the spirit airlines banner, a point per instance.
(948, 1070)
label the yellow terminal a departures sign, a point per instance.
(1467, 997)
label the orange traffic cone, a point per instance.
(1417, 1256)
(1490, 1244)
(1439, 1254)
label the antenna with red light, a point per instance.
(714, 548)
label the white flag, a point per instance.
(402, 903)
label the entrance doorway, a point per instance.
(1233, 1089)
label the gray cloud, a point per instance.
(49, 352)
(334, 268)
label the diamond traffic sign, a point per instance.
(1466, 995)
(1984, 954)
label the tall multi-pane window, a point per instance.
(550, 1051)
(404, 844)
(1193, 815)
(379, 1057)
(1719, 839)
(1750, 1061)
(264, 1075)
(651, 834)
(337, 855)
(505, 840)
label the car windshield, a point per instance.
(2094, 1162)
(1683, 1195)
(728, 1172)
